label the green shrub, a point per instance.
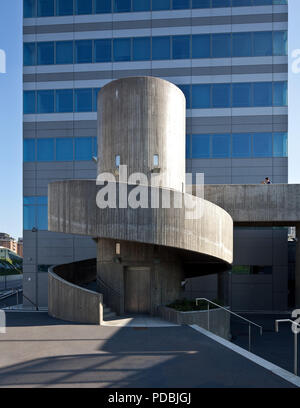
(186, 305)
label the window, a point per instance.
(64, 100)
(95, 147)
(45, 8)
(64, 52)
(45, 101)
(140, 5)
(241, 95)
(160, 5)
(121, 6)
(280, 93)
(201, 3)
(261, 270)
(42, 217)
(241, 145)
(103, 6)
(29, 54)
(181, 4)
(221, 45)
(280, 43)
(122, 49)
(117, 160)
(29, 105)
(241, 45)
(29, 150)
(45, 149)
(221, 145)
(181, 46)
(186, 89)
(200, 146)
(43, 268)
(64, 7)
(262, 144)
(83, 51)
(241, 3)
(155, 160)
(84, 6)
(201, 96)
(221, 95)
(188, 146)
(141, 48)
(118, 248)
(280, 144)
(262, 44)
(201, 46)
(29, 217)
(161, 48)
(262, 2)
(83, 148)
(262, 94)
(29, 8)
(64, 149)
(83, 100)
(102, 50)
(95, 96)
(221, 3)
(45, 53)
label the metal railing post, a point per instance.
(231, 313)
(208, 323)
(296, 353)
(295, 325)
(249, 337)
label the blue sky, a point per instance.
(11, 112)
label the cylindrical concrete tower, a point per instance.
(141, 124)
(147, 249)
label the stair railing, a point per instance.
(250, 323)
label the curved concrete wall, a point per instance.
(260, 204)
(139, 117)
(73, 210)
(70, 302)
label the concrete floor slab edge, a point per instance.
(286, 375)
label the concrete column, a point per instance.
(223, 287)
(297, 268)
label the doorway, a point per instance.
(137, 290)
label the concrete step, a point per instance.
(109, 315)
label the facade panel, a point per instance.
(229, 57)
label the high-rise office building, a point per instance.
(229, 57)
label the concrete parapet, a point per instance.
(219, 319)
(70, 302)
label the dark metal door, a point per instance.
(137, 290)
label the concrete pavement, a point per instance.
(39, 351)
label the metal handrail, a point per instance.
(107, 286)
(233, 313)
(295, 340)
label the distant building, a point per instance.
(20, 247)
(10, 261)
(9, 242)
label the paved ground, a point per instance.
(39, 351)
(275, 347)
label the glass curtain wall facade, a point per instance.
(229, 57)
